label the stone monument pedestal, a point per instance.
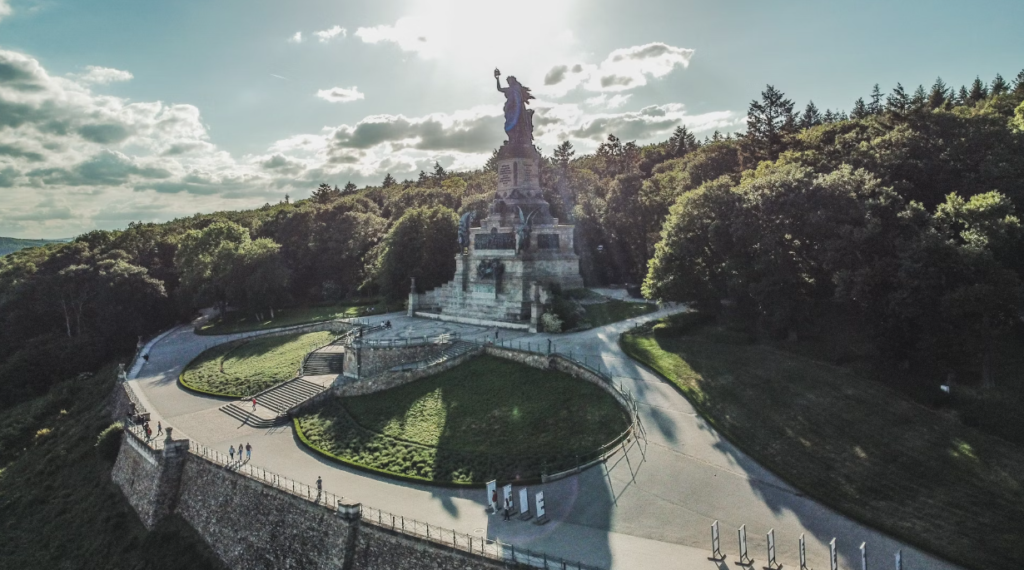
(517, 246)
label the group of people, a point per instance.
(146, 427)
(247, 449)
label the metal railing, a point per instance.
(243, 467)
(403, 342)
(484, 547)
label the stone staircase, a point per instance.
(324, 361)
(453, 350)
(273, 404)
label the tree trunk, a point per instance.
(67, 317)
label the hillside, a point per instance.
(11, 245)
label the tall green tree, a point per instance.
(860, 110)
(422, 244)
(811, 117)
(939, 94)
(875, 104)
(203, 258)
(978, 91)
(768, 122)
(324, 194)
(999, 86)
(898, 102)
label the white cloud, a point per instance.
(340, 94)
(102, 75)
(64, 147)
(613, 102)
(623, 69)
(296, 39)
(73, 160)
(409, 34)
(330, 33)
(5, 9)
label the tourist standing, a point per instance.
(508, 507)
(248, 451)
(240, 448)
(319, 486)
(231, 452)
(494, 500)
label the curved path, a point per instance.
(642, 509)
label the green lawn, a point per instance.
(245, 367)
(614, 311)
(58, 506)
(237, 321)
(486, 419)
(853, 444)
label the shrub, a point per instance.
(551, 323)
(109, 442)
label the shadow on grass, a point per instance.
(853, 445)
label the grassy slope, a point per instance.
(250, 366)
(614, 311)
(243, 322)
(855, 445)
(485, 416)
(58, 506)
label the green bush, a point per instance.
(108, 443)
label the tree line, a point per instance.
(902, 217)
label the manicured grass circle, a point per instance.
(250, 366)
(486, 419)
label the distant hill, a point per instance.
(11, 245)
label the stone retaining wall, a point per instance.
(251, 525)
(380, 549)
(389, 380)
(374, 360)
(149, 478)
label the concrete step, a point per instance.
(248, 417)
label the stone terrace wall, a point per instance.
(379, 549)
(149, 478)
(374, 360)
(251, 525)
(389, 380)
(137, 473)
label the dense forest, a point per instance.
(896, 223)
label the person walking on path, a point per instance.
(231, 452)
(159, 428)
(248, 451)
(508, 507)
(254, 404)
(319, 484)
(240, 448)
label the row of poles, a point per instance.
(746, 560)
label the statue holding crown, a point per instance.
(518, 119)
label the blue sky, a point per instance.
(116, 110)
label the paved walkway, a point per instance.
(639, 511)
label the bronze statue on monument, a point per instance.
(518, 119)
